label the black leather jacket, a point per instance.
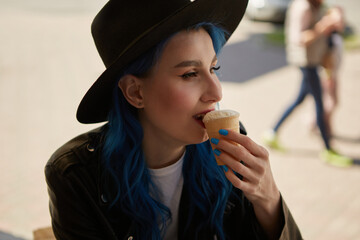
(80, 211)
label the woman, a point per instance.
(332, 64)
(307, 30)
(150, 173)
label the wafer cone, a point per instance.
(220, 119)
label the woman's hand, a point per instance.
(242, 155)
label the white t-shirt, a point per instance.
(169, 181)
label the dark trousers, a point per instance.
(310, 84)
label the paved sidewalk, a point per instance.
(48, 61)
(324, 200)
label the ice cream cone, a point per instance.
(220, 119)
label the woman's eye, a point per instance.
(214, 69)
(189, 75)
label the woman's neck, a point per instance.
(161, 155)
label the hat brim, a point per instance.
(96, 103)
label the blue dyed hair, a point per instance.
(126, 177)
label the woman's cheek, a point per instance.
(178, 98)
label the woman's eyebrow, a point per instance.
(195, 63)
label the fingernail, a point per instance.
(225, 168)
(217, 152)
(215, 141)
(223, 132)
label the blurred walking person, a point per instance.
(307, 29)
(331, 66)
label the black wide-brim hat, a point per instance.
(123, 30)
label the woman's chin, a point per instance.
(204, 138)
(199, 137)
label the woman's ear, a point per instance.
(131, 88)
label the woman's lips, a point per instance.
(199, 117)
(199, 121)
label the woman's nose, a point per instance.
(212, 89)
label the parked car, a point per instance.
(267, 10)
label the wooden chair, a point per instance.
(45, 233)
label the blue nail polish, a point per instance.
(223, 132)
(225, 168)
(217, 152)
(214, 141)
